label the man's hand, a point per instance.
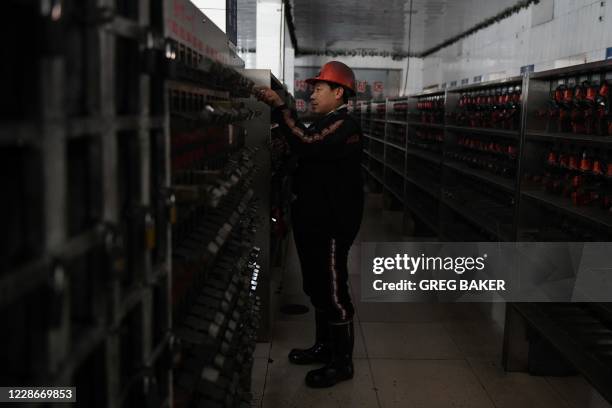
(268, 96)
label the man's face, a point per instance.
(324, 99)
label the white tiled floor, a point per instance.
(406, 354)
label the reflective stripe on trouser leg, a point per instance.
(334, 280)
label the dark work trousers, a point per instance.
(323, 259)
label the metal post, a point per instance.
(54, 173)
(110, 212)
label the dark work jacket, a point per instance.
(327, 182)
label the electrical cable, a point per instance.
(281, 61)
(283, 19)
(408, 56)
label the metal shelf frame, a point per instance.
(531, 136)
(51, 132)
(534, 94)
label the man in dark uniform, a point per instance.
(326, 215)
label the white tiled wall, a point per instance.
(269, 18)
(279, 58)
(580, 31)
(249, 58)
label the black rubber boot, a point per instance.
(340, 368)
(320, 352)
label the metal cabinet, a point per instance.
(85, 271)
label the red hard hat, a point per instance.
(336, 72)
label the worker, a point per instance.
(326, 214)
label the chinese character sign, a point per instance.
(300, 105)
(301, 86)
(361, 86)
(379, 87)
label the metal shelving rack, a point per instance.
(222, 271)
(530, 208)
(548, 210)
(115, 144)
(395, 151)
(373, 162)
(522, 134)
(431, 133)
(85, 277)
(377, 147)
(542, 137)
(482, 133)
(522, 129)
(390, 172)
(424, 147)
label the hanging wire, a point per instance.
(281, 59)
(408, 56)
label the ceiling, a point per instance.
(382, 25)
